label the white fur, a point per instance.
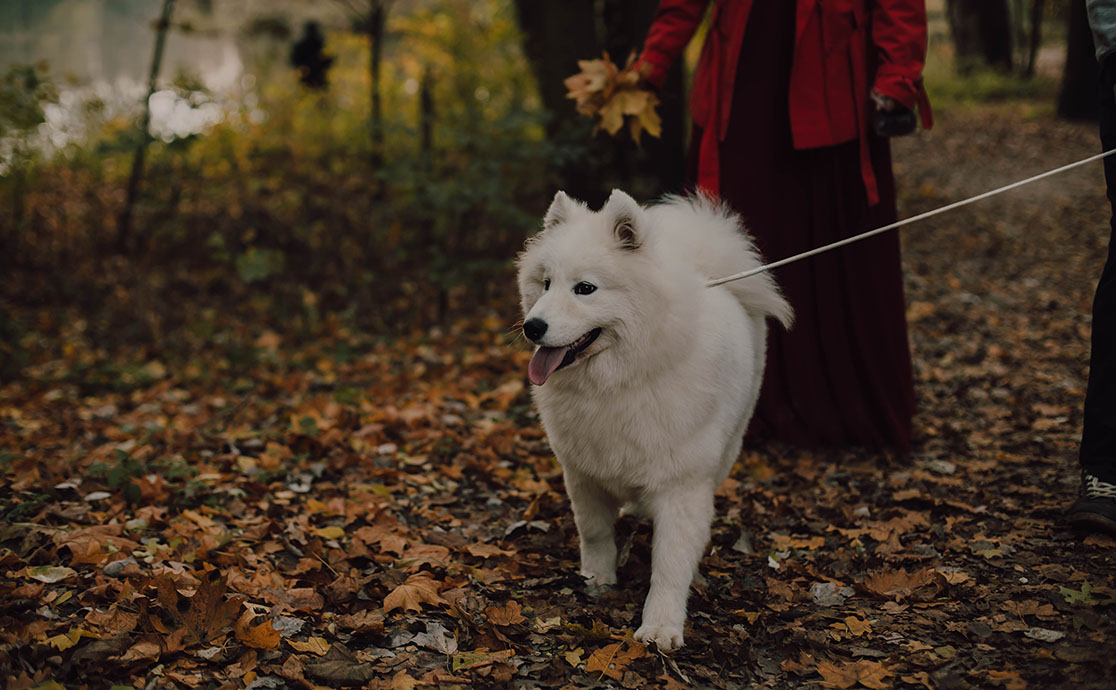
(651, 416)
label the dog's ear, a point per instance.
(560, 210)
(625, 216)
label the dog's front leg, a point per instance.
(681, 518)
(595, 512)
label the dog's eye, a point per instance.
(584, 288)
(546, 284)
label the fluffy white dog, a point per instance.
(645, 379)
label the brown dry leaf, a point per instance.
(481, 550)
(68, 639)
(803, 666)
(783, 542)
(592, 80)
(612, 660)
(870, 674)
(615, 97)
(923, 585)
(856, 626)
(424, 554)
(260, 636)
(112, 622)
(1046, 423)
(1010, 680)
(93, 539)
(508, 614)
(403, 681)
(363, 621)
(342, 672)
(146, 648)
(419, 589)
(205, 614)
(314, 645)
(1051, 410)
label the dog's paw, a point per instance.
(596, 591)
(665, 637)
(597, 585)
(595, 579)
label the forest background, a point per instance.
(391, 200)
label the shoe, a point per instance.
(1095, 507)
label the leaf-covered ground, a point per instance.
(386, 513)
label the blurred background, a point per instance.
(189, 176)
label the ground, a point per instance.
(386, 512)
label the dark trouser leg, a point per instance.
(1098, 440)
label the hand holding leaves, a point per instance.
(616, 97)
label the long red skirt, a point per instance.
(842, 375)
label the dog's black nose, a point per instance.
(534, 329)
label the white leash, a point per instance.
(905, 221)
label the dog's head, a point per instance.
(577, 281)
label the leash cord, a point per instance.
(905, 221)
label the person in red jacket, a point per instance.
(787, 100)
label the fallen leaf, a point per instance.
(870, 674)
(314, 645)
(50, 574)
(205, 614)
(481, 550)
(260, 636)
(332, 532)
(612, 660)
(508, 614)
(898, 585)
(419, 589)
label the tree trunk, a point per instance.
(1037, 7)
(555, 36)
(981, 32)
(377, 15)
(124, 231)
(659, 166)
(1077, 99)
(558, 34)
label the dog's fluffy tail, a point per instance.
(726, 248)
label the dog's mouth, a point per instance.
(548, 360)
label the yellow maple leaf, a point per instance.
(315, 645)
(261, 636)
(611, 116)
(614, 97)
(612, 660)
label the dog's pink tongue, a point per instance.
(544, 362)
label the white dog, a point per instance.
(645, 378)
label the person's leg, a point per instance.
(1095, 507)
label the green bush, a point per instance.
(275, 218)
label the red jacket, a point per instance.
(837, 43)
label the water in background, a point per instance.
(100, 51)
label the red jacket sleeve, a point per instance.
(674, 24)
(899, 35)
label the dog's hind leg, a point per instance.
(595, 512)
(682, 517)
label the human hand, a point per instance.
(644, 70)
(615, 97)
(884, 103)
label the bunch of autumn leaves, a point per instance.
(615, 97)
